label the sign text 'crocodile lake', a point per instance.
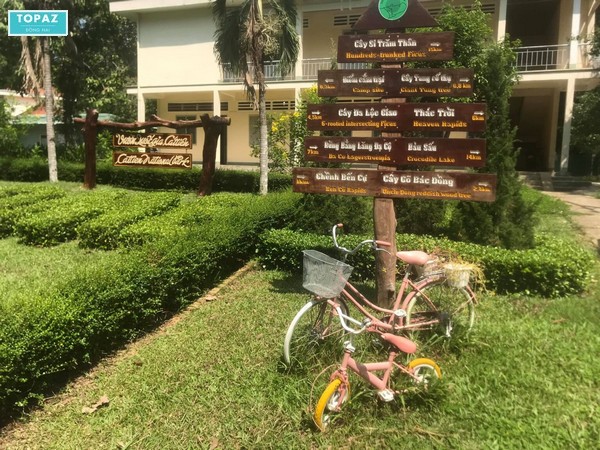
(396, 151)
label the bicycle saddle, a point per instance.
(403, 344)
(415, 257)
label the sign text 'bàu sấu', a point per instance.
(397, 116)
(477, 187)
(396, 151)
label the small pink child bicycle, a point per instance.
(337, 392)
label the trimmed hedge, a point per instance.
(103, 231)
(17, 202)
(36, 169)
(101, 306)
(554, 268)
(59, 223)
(193, 211)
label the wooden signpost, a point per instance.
(397, 47)
(394, 83)
(153, 140)
(156, 160)
(396, 184)
(398, 116)
(399, 151)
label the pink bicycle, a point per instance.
(427, 305)
(420, 371)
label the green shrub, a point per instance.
(23, 202)
(317, 213)
(102, 232)
(36, 169)
(59, 224)
(553, 268)
(101, 306)
(20, 169)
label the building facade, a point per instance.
(177, 67)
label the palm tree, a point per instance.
(246, 37)
(37, 65)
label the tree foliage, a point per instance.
(248, 36)
(507, 222)
(585, 131)
(91, 67)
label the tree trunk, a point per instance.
(213, 128)
(264, 144)
(50, 137)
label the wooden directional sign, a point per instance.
(396, 151)
(476, 187)
(382, 14)
(396, 47)
(396, 83)
(155, 159)
(153, 140)
(397, 116)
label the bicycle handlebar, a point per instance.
(375, 244)
(343, 317)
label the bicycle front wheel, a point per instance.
(333, 397)
(424, 370)
(437, 307)
(314, 329)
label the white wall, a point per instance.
(176, 48)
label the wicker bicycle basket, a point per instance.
(457, 275)
(323, 275)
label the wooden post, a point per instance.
(90, 131)
(384, 221)
(213, 127)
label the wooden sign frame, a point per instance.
(396, 151)
(396, 47)
(480, 187)
(153, 140)
(157, 160)
(398, 116)
(396, 83)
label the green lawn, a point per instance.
(528, 377)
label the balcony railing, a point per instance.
(310, 70)
(537, 58)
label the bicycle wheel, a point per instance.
(333, 397)
(424, 370)
(315, 328)
(439, 308)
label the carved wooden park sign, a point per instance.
(396, 151)
(396, 47)
(154, 159)
(396, 83)
(398, 116)
(153, 140)
(396, 184)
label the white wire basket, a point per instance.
(323, 275)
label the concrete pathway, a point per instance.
(586, 208)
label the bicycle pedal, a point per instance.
(386, 395)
